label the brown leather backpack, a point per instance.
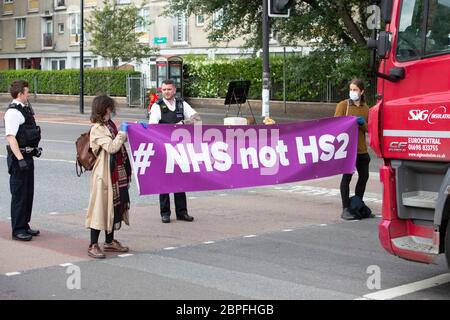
(85, 157)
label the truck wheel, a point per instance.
(447, 244)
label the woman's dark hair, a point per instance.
(17, 87)
(99, 106)
(360, 84)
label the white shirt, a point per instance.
(13, 119)
(155, 111)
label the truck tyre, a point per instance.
(447, 244)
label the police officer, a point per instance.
(171, 109)
(23, 136)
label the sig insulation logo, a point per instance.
(437, 114)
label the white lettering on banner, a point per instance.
(200, 157)
(302, 150)
(324, 144)
(179, 157)
(282, 149)
(223, 160)
(245, 152)
(142, 157)
(342, 151)
(216, 156)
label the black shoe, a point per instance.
(32, 232)
(185, 217)
(165, 219)
(347, 215)
(22, 236)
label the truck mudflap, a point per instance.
(402, 237)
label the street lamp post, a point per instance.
(266, 65)
(81, 57)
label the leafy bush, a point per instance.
(112, 82)
(323, 75)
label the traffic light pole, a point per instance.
(266, 64)
(81, 57)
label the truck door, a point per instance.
(416, 112)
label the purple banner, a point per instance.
(180, 158)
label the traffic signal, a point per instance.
(279, 8)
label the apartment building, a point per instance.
(45, 34)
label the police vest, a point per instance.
(29, 134)
(168, 116)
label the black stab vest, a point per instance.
(168, 116)
(29, 134)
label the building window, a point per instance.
(90, 63)
(199, 20)
(60, 3)
(58, 64)
(145, 14)
(217, 19)
(8, 1)
(180, 29)
(75, 27)
(60, 27)
(20, 28)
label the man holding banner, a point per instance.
(172, 110)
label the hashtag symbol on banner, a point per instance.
(142, 157)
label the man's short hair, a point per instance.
(168, 81)
(17, 87)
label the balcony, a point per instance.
(47, 40)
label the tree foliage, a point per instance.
(113, 32)
(325, 22)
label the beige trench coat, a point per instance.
(100, 213)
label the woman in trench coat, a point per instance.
(109, 201)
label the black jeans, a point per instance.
(180, 204)
(362, 166)
(21, 184)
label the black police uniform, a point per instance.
(22, 181)
(168, 116)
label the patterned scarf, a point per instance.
(120, 178)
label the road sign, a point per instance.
(160, 40)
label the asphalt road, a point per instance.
(275, 243)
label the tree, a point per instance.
(113, 32)
(328, 23)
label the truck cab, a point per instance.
(409, 127)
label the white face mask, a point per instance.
(354, 95)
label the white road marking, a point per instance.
(170, 248)
(51, 160)
(409, 288)
(250, 236)
(209, 242)
(53, 213)
(192, 198)
(323, 225)
(10, 274)
(125, 255)
(288, 230)
(64, 122)
(66, 264)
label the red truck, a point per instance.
(410, 127)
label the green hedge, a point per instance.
(112, 82)
(323, 75)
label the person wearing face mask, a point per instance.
(356, 106)
(109, 201)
